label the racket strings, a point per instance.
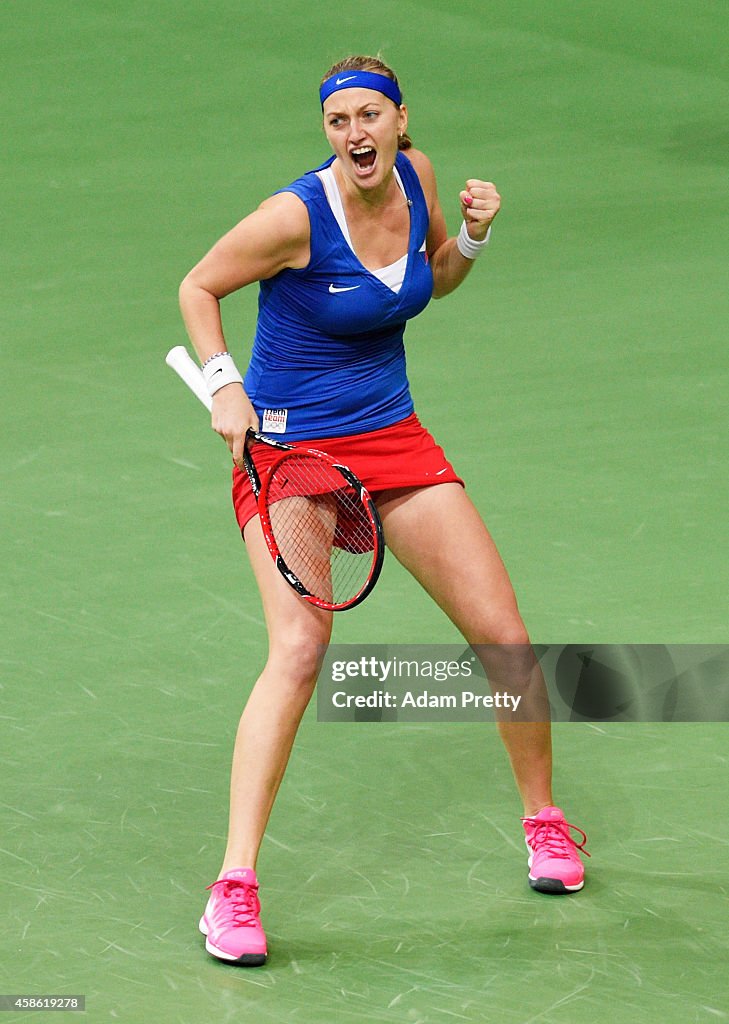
(321, 527)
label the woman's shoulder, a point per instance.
(418, 159)
(424, 170)
(289, 206)
(308, 186)
(287, 226)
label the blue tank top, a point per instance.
(328, 357)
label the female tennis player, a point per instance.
(345, 256)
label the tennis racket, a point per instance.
(319, 522)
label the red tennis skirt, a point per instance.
(403, 455)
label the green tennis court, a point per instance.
(578, 381)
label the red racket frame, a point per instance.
(260, 490)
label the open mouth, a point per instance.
(364, 158)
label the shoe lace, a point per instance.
(243, 903)
(554, 837)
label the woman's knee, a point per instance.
(297, 656)
(511, 665)
(509, 632)
(503, 627)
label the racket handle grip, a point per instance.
(179, 359)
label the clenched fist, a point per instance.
(480, 202)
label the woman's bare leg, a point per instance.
(298, 634)
(438, 535)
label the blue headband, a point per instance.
(361, 80)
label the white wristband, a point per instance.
(466, 245)
(220, 370)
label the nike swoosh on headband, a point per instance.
(363, 80)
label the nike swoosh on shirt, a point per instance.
(333, 290)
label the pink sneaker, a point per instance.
(554, 863)
(231, 923)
